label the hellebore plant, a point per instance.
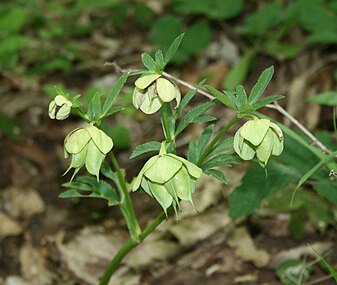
(166, 177)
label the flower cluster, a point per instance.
(152, 91)
(87, 146)
(260, 137)
(168, 178)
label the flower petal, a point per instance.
(76, 140)
(94, 159)
(138, 180)
(151, 105)
(243, 148)
(166, 90)
(144, 81)
(52, 109)
(192, 169)
(138, 97)
(255, 130)
(63, 113)
(101, 139)
(163, 170)
(61, 100)
(161, 195)
(263, 151)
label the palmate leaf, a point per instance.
(222, 97)
(192, 116)
(93, 188)
(255, 187)
(261, 85)
(205, 137)
(241, 95)
(160, 62)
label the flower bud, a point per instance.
(87, 146)
(59, 108)
(152, 91)
(260, 137)
(168, 178)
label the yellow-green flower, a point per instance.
(152, 91)
(59, 108)
(87, 146)
(168, 178)
(260, 137)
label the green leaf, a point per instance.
(326, 98)
(309, 173)
(95, 107)
(193, 115)
(193, 152)
(205, 137)
(327, 189)
(239, 71)
(221, 160)
(99, 189)
(255, 187)
(241, 95)
(261, 85)
(197, 38)
(149, 62)
(10, 128)
(186, 99)
(203, 119)
(111, 98)
(216, 9)
(145, 148)
(328, 266)
(261, 21)
(217, 174)
(171, 51)
(265, 101)
(296, 224)
(12, 19)
(222, 97)
(159, 57)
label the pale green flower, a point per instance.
(59, 108)
(168, 178)
(87, 146)
(260, 137)
(152, 91)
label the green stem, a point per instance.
(129, 245)
(167, 122)
(216, 139)
(126, 207)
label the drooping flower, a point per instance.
(59, 108)
(168, 178)
(87, 146)
(152, 91)
(260, 137)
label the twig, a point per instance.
(314, 140)
(274, 106)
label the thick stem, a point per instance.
(129, 245)
(216, 139)
(127, 206)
